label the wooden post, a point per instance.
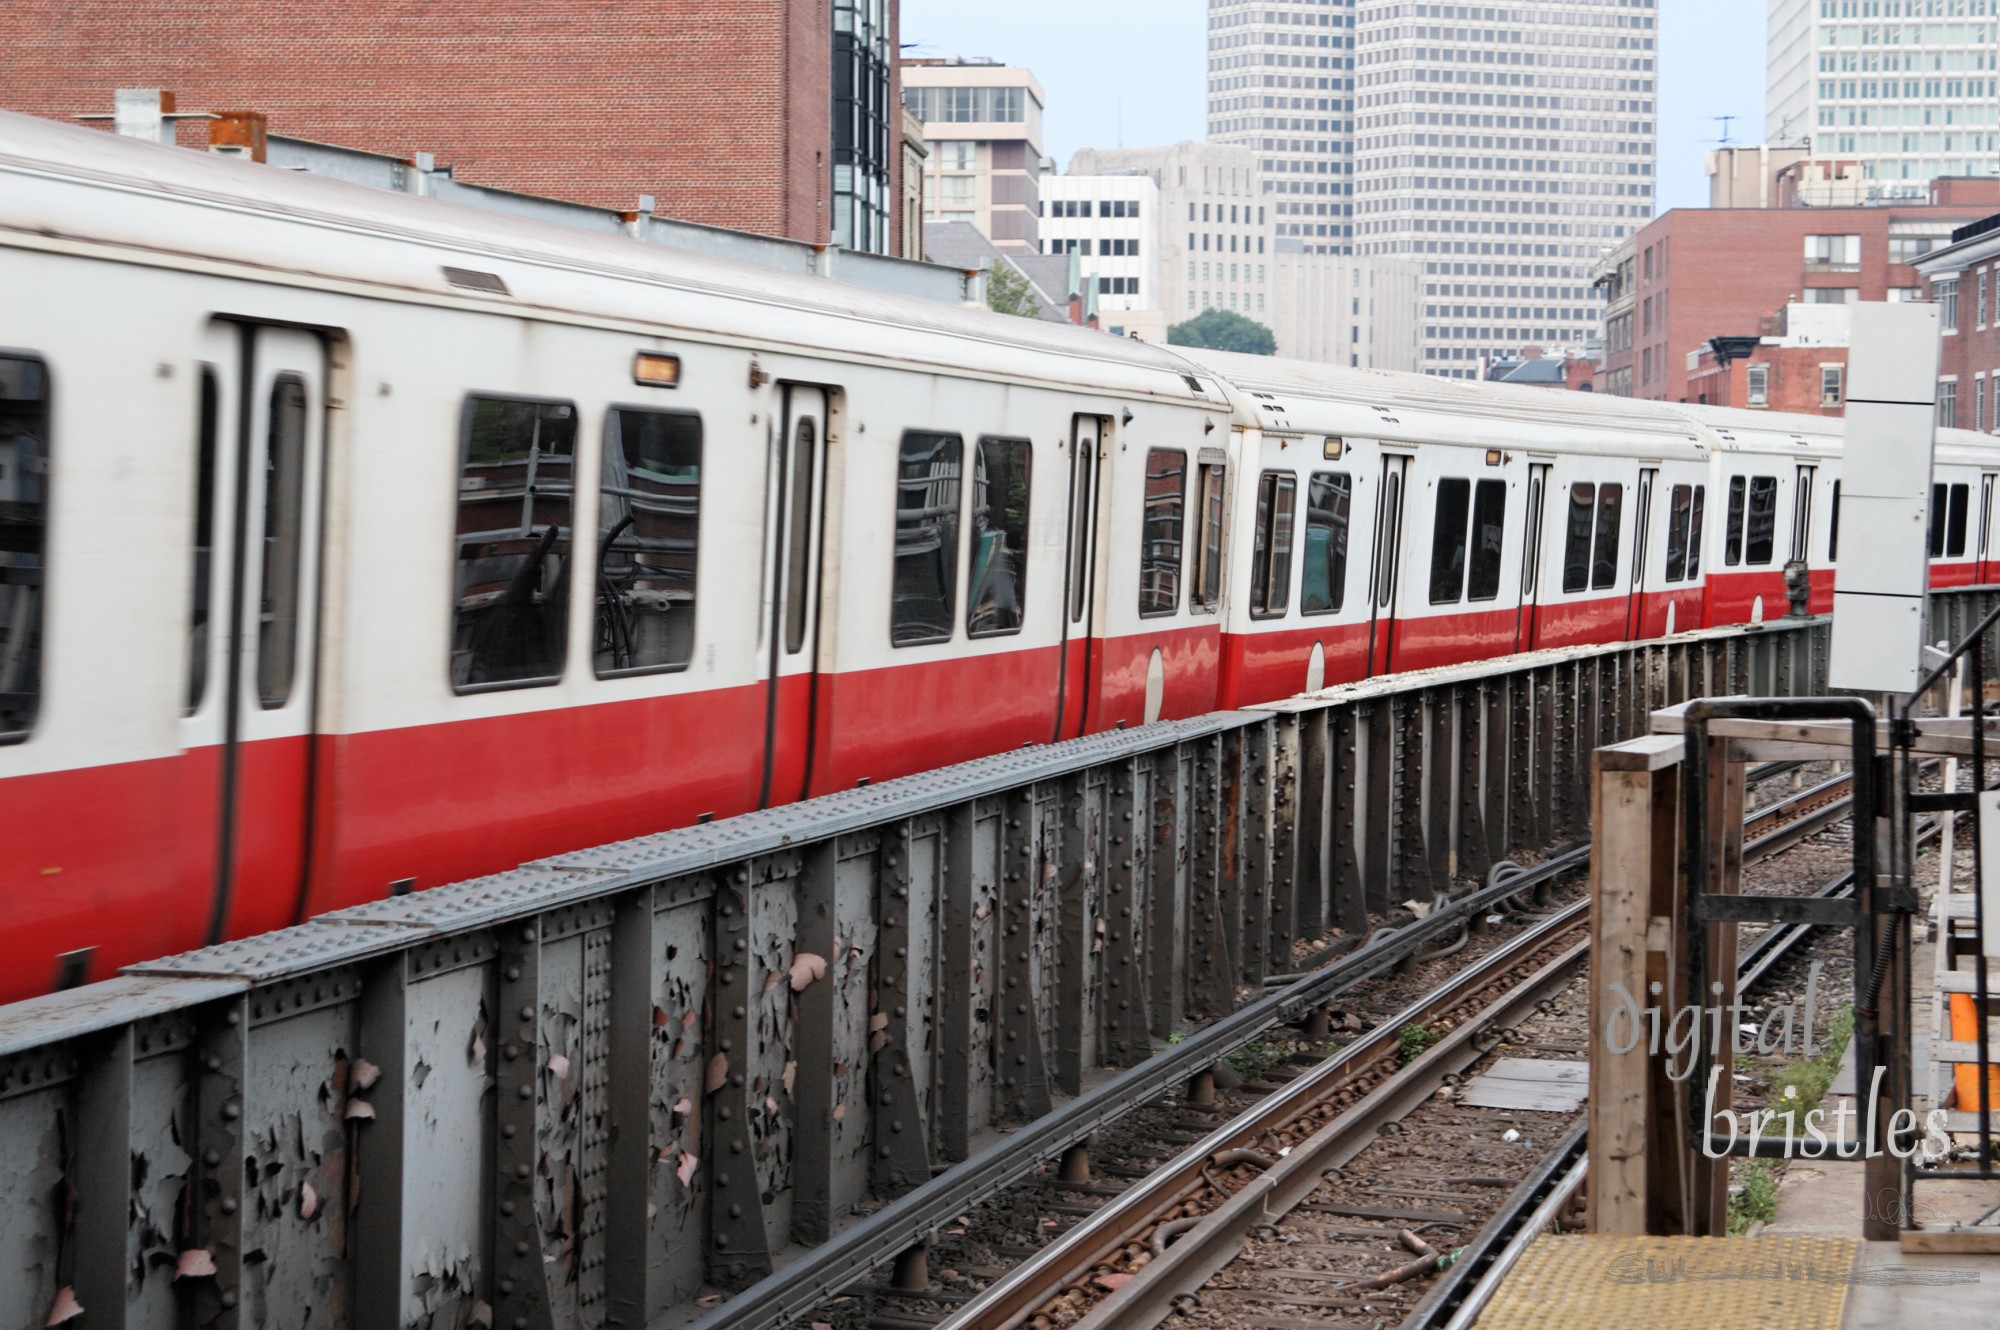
(1633, 813)
(1708, 1214)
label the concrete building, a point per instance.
(774, 117)
(1963, 276)
(1281, 83)
(910, 226)
(1909, 89)
(1747, 177)
(1111, 223)
(983, 130)
(1214, 243)
(1503, 150)
(1699, 273)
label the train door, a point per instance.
(1385, 565)
(1989, 557)
(1077, 668)
(792, 636)
(1635, 602)
(1531, 557)
(253, 628)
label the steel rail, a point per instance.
(1790, 820)
(1518, 1241)
(1149, 1297)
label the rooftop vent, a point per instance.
(468, 280)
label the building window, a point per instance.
(1833, 295)
(1979, 292)
(1833, 253)
(1946, 294)
(863, 144)
(1947, 403)
(1830, 385)
(1757, 385)
(1908, 249)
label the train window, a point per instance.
(1082, 467)
(1389, 540)
(207, 423)
(1271, 554)
(24, 500)
(1160, 549)
(1604, 553)
(1329, 502)
(1732, 548)
(926, 584)
(1761, 532)
(1955, 523)
(1576, 540)
(999, 594)
(1489, 533)
(648, 534)
(284, 513)
(1207, 593)
(798, 542)
(1448, 541)
(1694, 532)
(1833, 527)
(1679, 505)
(1937, 521)
(516, 488)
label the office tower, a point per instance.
(1909, 89)
(1499, 152)
(1281, 83)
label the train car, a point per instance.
(353, 543)
(356, 543)
(1423, 522)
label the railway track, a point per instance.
(1174, 1187)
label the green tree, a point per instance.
(1008, 292)
(1224, 330)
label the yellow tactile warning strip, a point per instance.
(1591, 1283)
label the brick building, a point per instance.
(1797, 364)
(1964, 278)
(776, 116)
(1699, 273)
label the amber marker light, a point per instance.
(1334, 448)
(656, 370)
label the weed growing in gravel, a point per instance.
(1252, 1059)
(1754, 1199)
(1802, 1084)
(1412, 1040)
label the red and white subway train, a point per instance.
(352, 543)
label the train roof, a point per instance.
(1301, 396)
(172, 206)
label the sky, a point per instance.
(1132, 71)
